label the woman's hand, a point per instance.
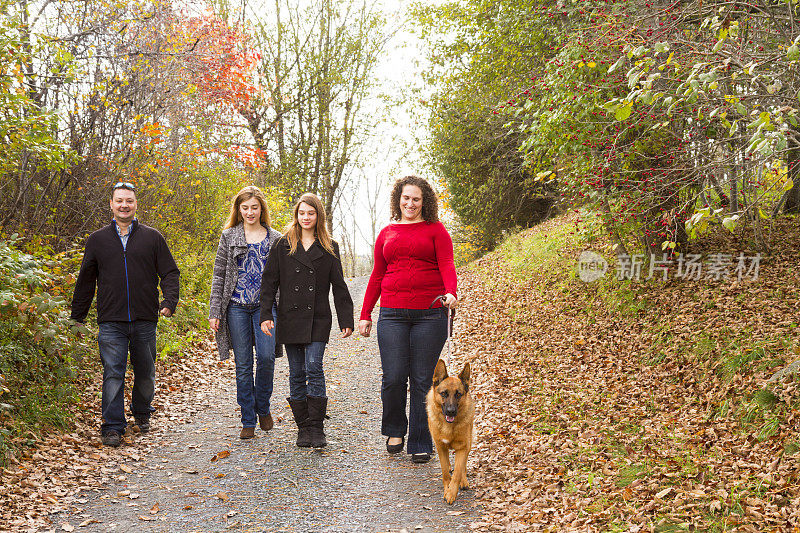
(450, 301)
(346, 332)
(266, 326)
(213, 323)
(364, 327)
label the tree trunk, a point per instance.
(733, 207)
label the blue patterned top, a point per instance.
(251, 268)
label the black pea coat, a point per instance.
(305, 280)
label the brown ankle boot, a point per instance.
(265, 422)
(247, 433)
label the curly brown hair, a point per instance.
(430, 204)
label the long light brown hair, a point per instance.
(251, 191)
(294, 231)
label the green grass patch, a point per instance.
(535, 251)
(670, 525)
(630, 473)
(549, 248)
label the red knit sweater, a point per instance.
(413, 265)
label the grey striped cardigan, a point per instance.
(232, 244)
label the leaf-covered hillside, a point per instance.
(632, 406)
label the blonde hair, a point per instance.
(294, 231)
(251, 191)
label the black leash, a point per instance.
(450, 318)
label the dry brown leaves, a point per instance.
(589, 421)
(50, 476)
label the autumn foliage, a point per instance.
(632, 406)
(669, 118)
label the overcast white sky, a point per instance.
(393, 151)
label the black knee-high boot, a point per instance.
(317, 406)
(300, 412)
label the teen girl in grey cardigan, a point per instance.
(235, 314)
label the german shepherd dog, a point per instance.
(451, 413)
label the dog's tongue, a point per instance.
(450, 418)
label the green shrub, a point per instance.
(39, 348)
(190, 322)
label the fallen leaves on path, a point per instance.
(51, 475)
(220, 455)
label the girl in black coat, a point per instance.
(304, 264)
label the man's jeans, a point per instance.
(115, 339)
(410, 341)
(244, 325)
(306, 376)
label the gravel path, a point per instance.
(269, 484)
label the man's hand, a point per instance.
(346, 332)
(364, 327)
(450, 301)
(213, 323)
(266, 326)
(165, 312)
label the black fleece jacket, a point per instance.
(127, 280)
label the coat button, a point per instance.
(311, 271)
(294, 306)
(297, 270)
(311, 288)
(296, 288)
(308, 306)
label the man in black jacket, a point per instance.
(126, 260)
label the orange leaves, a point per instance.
(222, 65)
(248, 156)
(198, 69)
(154, 130)
(220, 455)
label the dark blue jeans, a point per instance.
(115, 340)
(306, 376)
(410, 341)
(244, 325)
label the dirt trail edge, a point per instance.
(268, 484)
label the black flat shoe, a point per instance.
(395, 448)
(421, 457)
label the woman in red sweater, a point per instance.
(413, 265)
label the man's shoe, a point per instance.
(143, 423)
(112, 438)
(421, 457)
(265, 422)
(247, 433)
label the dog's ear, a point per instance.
(440, 374)
(464, 376)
